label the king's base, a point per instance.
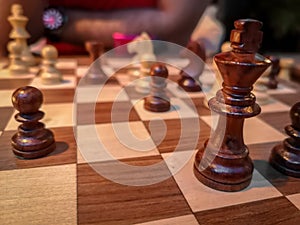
(223, 171)
(228, 187)
(287, 162)
(34, 154)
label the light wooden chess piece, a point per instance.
(143, 59)
(16, 66)
(226, 47)
(143, 83)
(190, 74)
(95, 74)
(285, 67)
(49, 73)
(18, 22)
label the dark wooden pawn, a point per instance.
(190, 74)
(158, 101)
(223, 163)
(32, 139)
(275, 69)
(95, 74)
(285, 157)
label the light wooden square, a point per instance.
(43, 195)
(56, 115)
(103, 142)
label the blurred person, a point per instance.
(168, 20)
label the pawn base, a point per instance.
(156, 104)
(18, 70)
(34, 154)
(189, 84)
(51, 79)
(285, 161)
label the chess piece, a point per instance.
(190, 74)
(16, 66)
(49, 73)
(285, 157)
(218, 78)
(226, 46)
(142, 46)
(158, 101)
(143, 60)
(272, 82)
(95, 74)
(32, 139)
(18, 21)
(224, 163)
(142, 85)
(285, 68)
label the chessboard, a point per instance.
(70, 186)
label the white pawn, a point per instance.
(143, 83)
(18, 21)
(16, 66)
(143, 59)
(49, 73)
(285, 65)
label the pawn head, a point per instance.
(27, 99)
(159, 70)
(49, 52)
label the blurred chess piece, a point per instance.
(210, 30)
(272, 82)
(158, 101)
(268, 80)
(285, 65)
(190, 74)
(18, 22)
(143, 59)
(226, 47)
(16, 65)
(32, 139)
(95, 74)
(49, 74)
(142, 84)
(285, 157)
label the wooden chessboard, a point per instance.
(62, 188)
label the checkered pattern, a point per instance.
(62, 188)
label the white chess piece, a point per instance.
(16, 66)
(143, 47)
(18, 22)
(143, 59)
(226, 47)
(49, 73)
(143, 83)
(285, 65)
